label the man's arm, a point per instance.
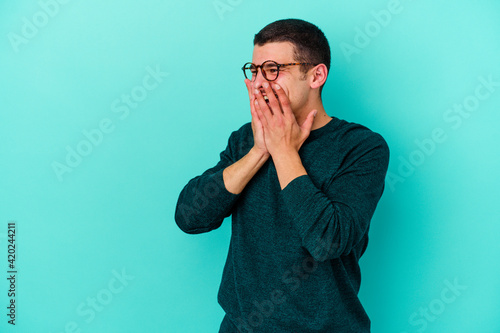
(207, 199)
(283, 135)
(237, 175)
(333, 221)
(204, 202)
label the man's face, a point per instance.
(291, 78)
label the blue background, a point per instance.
(112, 215)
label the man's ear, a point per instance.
(318, 76)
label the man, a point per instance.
(301, 187)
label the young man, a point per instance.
(301, 187)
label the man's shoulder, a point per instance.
(241, 141)
(354, 134)
(243, 130)
(353, 143)
(242, 134)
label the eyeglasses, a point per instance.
(270, 69)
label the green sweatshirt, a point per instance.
(292, 264)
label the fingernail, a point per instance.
(256, 102)
(277, 87)
(256, 92)
(266, 85)
(315, 113)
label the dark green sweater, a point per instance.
(293, 259)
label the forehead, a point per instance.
(279, 52)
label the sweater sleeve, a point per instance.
(333, 221)
(204, 202)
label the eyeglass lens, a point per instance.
(270, 71)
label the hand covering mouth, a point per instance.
(267, 98)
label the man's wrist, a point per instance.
(288, 166)
(285, 153)
(259, 153)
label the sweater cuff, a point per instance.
(216, 187)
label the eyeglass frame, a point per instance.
(277, 65)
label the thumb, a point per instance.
(307, 125)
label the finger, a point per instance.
(307, 125)
(251, 96)
(255, 117)
(260, 115)
(274, 103)
(284, 101)
(262, 107)
(248, 83)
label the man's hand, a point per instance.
(281, 131)
(258, 131)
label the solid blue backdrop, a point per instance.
(109, 108)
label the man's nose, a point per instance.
(259, 79)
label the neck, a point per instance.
(321, 118)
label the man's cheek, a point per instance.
(286, 94)
(283, 88)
